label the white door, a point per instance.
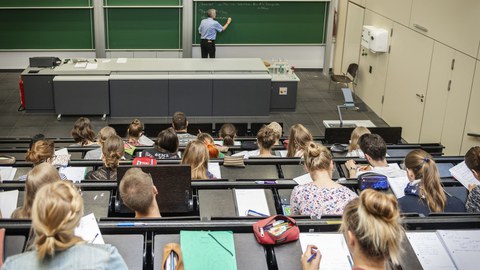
(472, 125)
(407, 78)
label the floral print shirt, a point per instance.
(311, 200)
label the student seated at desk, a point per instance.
(180, 124)
(196, 155)
(375, 150)
(166, 146)
(227, 134)
(265, 140)
(112, 152)
(41, 151)
(373, 232)
(323, 196)
(102, 136)
(56, 212)
(39, 176)
(207, 139)
(353, 148)
(277, 130)
(425, 194)
(472, 160)
(134, 132)
(82, 132)
(300, 137)
(139, 194)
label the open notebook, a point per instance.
(446, 249)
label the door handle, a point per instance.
(474, 135)
(421, 96)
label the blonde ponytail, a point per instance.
(56, 212)
(375, 221)
(424, 167)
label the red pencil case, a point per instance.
(276, 230)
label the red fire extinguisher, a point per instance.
(22, 95)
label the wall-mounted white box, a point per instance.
(375, 39)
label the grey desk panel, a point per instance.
(77, 95)
(130, 246)
(210, 200)
(159, 241)
(191, 96)
(286, 101)
(14, 244)
(97, 202)
(38, 93)
(288, 256)
(284, 195)
(249, 254)
(138, 98)
(250, 172)
(237, 97)
(292, 171)
(460, 192)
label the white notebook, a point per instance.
(251, 199)
(334, 250)
(463, 174)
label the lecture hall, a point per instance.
(239, 134)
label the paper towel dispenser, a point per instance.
(375, 39)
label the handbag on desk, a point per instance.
(172, 257)
(276, 230)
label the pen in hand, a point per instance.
(314, 251)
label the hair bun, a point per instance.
(380, 205)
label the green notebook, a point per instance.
(208, 250)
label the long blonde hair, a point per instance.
(39, 176)
(374, 219)
(299, 138)
(356, 134)
(196, 155)
(425, 168)
(56, 212)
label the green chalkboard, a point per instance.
(142, 2)
(270, 22)
(45, 3)
(46, 29)
(144, 28)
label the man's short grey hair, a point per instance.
(211, 12)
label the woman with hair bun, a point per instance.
(134, 132)
(56, 212)
(112, 153)
(323, 196)
(425, 194)
(227, 133)
(266, 139)
(373, 232)
(472, 160)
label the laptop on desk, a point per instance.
(174, 185)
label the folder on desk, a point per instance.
(251, 200)
(213, 250)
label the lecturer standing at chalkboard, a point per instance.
(208, 30)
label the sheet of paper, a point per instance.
(398, 184)
(76, 174)
(463, 247)
(7, 173)
(106, 60)
(8, 202)
(283, 153)
(303, 179)
(463, 174)
(430, 251)
(251, 199)
(62, 151)
(81, 65)
(89, 231)
(213, 250)
(335, 254)
(144, 140)
(247, 154)
(91, 66)
(214, 168)
(121, 60)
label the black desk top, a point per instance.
(250, 172)
(130, 246)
